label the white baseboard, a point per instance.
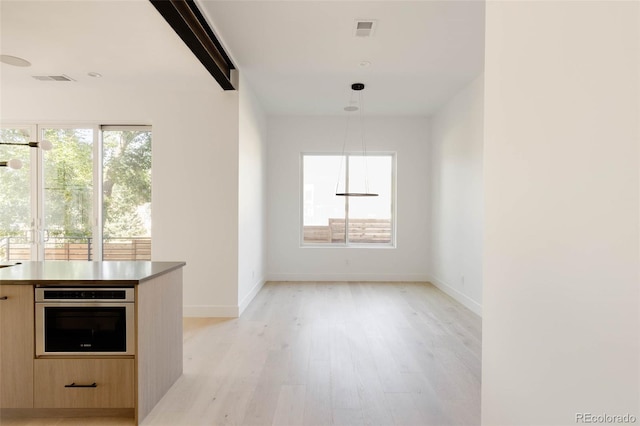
(230, 311)
(249, 297)
(213, 311)
(222, 311)
(457, 295)
(348, 277)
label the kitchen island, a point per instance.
(65, 384)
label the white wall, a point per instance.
(456, 196)
(561, 250)
(252, 202)
(287, 138)
(195, 165)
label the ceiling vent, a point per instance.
(53, 77)
(365, 27)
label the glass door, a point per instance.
(56, 206)
(126, 192)
(68, 225)
(18, 234)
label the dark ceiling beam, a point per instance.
(189, 23)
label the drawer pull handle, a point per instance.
(4, 297)
(73, 385)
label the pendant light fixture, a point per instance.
(45, 145)
(12, 164)
(355, 88)
(16, 164)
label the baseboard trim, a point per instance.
(22, 413)
(210, 311)
(222, 311)
(349, 277)
(230, 311)
(457, 295)
(250, 296)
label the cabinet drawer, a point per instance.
(67, 383)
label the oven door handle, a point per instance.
(73, 385)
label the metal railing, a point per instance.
(73, 248)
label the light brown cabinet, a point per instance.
(84, 383)
(16, 346)
(124, 385)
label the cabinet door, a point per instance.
(84, 383)
(16, 346)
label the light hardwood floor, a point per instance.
(326, 354)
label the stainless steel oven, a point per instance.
(84, 321)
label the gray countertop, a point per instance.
(113, 273)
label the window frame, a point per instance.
(100, 158)
(346, 244)
(36, 177)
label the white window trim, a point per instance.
(346, 244)
(37, 205)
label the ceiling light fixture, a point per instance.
(45, 145)
(355, 88)
(365, 64)
(94, 74)
(14, 60)
(12, 164)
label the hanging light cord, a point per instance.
(344, 146)
(355, 87)
(364, 145)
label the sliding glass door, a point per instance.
(88, 198)
(69, 223)
(126, 192)
(17, 208)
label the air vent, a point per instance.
(53, 77)
(365, 27)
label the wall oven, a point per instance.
(84, 321)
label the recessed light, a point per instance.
(14, 60)
(365, 64)
(351, 108)
(94, 74)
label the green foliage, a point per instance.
(127, 182)
(15, 200)
(68, 183)
(68, 177)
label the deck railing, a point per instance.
(360, 231)
(68, 248)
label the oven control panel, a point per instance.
(84, 294)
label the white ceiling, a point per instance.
(300, 56)
(128, 42)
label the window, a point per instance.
(89, 198)
(126, 192)
(328, 219)
(68, 194)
